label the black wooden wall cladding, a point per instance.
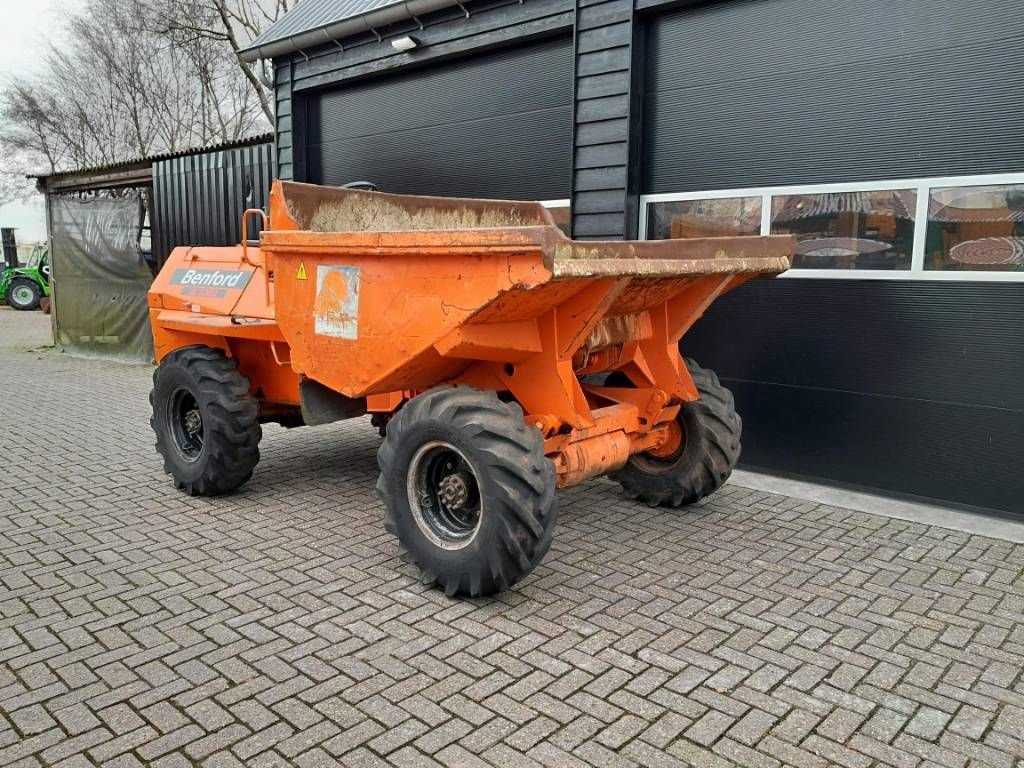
(907, 386)
(608, 74)
(199, 199)
(493, 125)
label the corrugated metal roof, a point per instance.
(137, 161)
(314, 14)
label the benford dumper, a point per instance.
(500, 359)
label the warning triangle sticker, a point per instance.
(301, 274)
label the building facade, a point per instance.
(884, 135)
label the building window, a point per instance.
(974, 229)
(848, 230)
(713, 217)
(561, 212)
(955, 228)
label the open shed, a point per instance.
(110, 228)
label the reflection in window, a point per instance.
(976, 229)
(848, 230)
(718, 217)
(562, 214)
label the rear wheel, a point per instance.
(24, 294)
(467, 490)
(206, 422)
(707, 450)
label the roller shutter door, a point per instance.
(496, 125)
(902, 385)
(760, 92)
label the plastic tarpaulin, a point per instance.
(100, 275)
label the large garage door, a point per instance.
(762, 92)
(498, 125)
(904, 384)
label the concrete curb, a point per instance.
(929, 514)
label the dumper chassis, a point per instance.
(501, 360)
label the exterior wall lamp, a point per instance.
(403, 44)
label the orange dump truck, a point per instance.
(500, 360)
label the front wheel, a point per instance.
(24, 294)
(206, 422)
(467, 490)
(706, 452)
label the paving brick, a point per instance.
(795, 726)
(970, 722)
(752, 727)
(277, 626)
(164, 716)
(262, 740)
(882, 752)
(32, 719)
(351, 739)
(790, 754)
(976, 751)
(76, 719)
(440, 736)
(125, 742)
(490, 733)
(709, 728)
(884, 724)
(835, 754)
(932, 753)
(928, 723)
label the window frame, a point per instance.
(922, 186)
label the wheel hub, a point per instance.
(444, 495)
(186, 424)
(671, 444)
(22, 295)
(453, 490)
(193, 422)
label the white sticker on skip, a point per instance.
(336, 310)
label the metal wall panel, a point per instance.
(761, 92)
(442, 35)
(911, 387)
(497, 125)
(199, 199)
(905, 386)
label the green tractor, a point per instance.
(23, 287)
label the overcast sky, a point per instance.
(25, 26)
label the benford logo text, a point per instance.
(211, 278)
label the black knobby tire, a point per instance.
(219, 453)
(710, 449)
(24, 286)
(501, 457)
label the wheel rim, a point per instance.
(673, 442)
(186, 422)
(21, 295)
(444, 495)
(664, 459)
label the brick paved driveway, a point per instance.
(277, 626)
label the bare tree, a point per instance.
(132, 84)
(233, 24)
